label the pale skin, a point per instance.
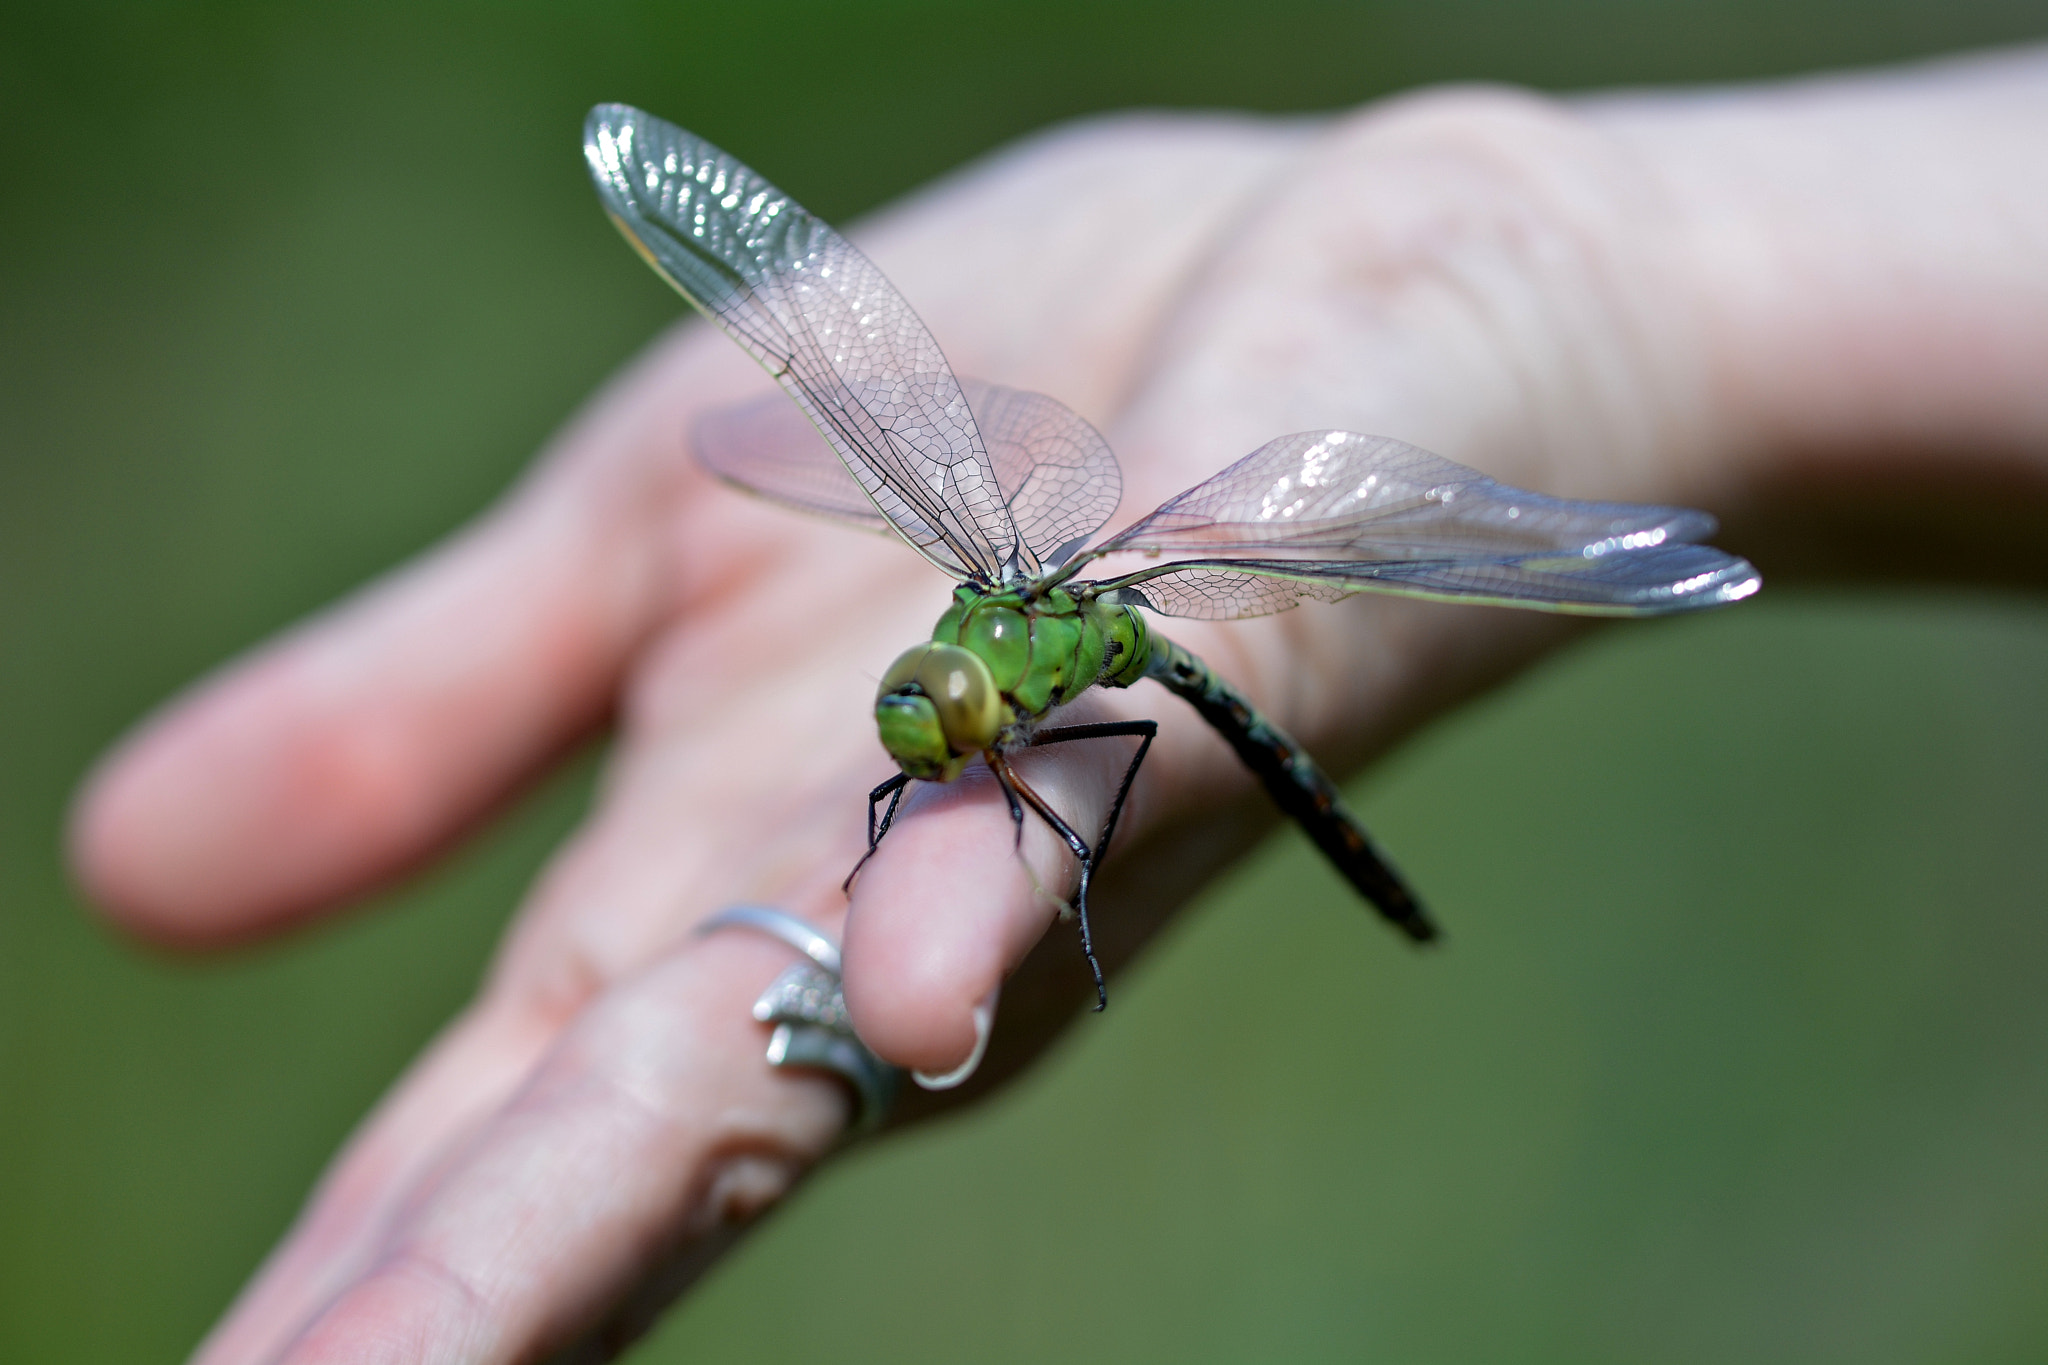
(1802, 307)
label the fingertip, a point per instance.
(98, 847)
(242, 808)
(934, 926)
(133, 844)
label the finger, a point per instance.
(954, 898)
(356, 745)
(655, 1123)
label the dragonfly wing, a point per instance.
(1645, 582)
(1332, 512)
(819, 317)
(769, 448)
(1219, 592)
(1059, 476)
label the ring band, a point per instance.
(778, 924)
(807, 1005)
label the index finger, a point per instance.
(360, 743)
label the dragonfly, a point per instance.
(1006, 491)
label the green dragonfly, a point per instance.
(1005, 491)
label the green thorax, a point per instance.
(999, 659)
(1045, 650)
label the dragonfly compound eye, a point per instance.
(937, 706)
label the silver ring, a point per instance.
(807, 1005)
(778, 924)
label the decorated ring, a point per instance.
(807, 1006)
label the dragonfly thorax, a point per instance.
(998, 661)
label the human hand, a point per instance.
(1544, 292)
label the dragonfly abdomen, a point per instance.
(1296, 783)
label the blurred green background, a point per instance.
(1741, 1051)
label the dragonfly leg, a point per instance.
(1145, 730)
(1004, 775)
(893, 789)
(1085, 855)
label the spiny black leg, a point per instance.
(1146, 730)
(1082, 853)
(1003, 776)
(893, 789)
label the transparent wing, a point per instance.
(819, 317)
(1058, 477)
(1057, 473)
(1327, 513)
(1219, 592)
(769, 448)
(1645, 582)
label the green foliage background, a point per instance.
(1741, 1049)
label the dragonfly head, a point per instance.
(938, 706)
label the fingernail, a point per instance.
(984, 1022)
